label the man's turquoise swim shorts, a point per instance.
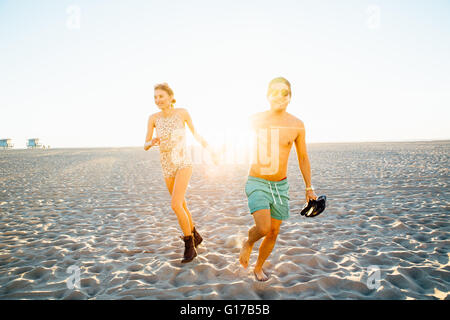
(265, 194)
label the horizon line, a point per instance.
(192, 145)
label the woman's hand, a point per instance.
(215, 157)
(153, 142)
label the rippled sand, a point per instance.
(107, 212)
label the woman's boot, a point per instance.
(189, 249)
(197, 238)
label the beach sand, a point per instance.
(107, 212)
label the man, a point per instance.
(267, 187)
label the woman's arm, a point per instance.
(189, 123)
(199, 138)
(149, 142)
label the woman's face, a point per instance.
(278, 96)
(162, 99)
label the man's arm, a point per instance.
(303, 160)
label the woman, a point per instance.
(175, 161)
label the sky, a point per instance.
(81, 73)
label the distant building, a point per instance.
(6, 143)
(33, 143)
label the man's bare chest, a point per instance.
(283, 136)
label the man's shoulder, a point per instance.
(257, 115)
(295, 121)
(255, 118)
(288, 120)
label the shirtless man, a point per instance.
(267, 187)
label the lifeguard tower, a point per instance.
(6, 143)
(33, 143)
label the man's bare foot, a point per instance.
(260, 275)
(245, 254)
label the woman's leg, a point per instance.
(179, 190)
(169, 183)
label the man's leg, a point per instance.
(262, 227)
(266, 248)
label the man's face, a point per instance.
(278, 96)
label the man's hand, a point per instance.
(310, 195)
